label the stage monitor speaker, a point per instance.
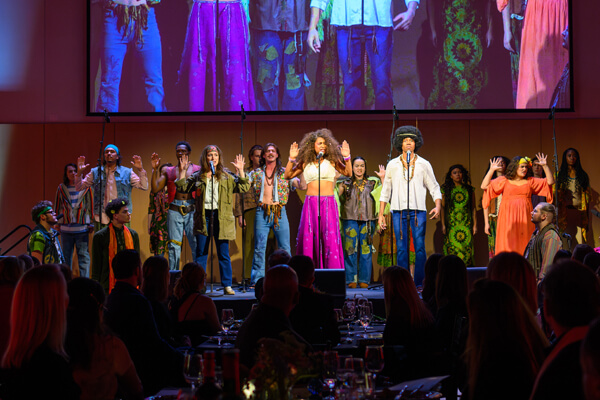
(331, 281)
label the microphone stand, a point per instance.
(243, 290)
(408, 208)
(99, 176)
(211, 232)
(319, 261)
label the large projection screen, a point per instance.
(323, 56)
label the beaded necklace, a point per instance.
(405, 166)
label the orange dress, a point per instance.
(514, 217)
(542, 56)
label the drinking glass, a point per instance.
(364, 316)
(349, 312)
(192, 369)
(339, 316)
(357, 367)
(227, 319)
(374, 360)
(330, 367)
(344, 370)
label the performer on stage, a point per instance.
(517, 186)
(271, 191)
(359, 216)
(214, 198)
(158, 211)
(319, 151)
(43, 243)
(181, 205)
(490, 214)
(414, 175)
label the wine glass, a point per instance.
(364, 316)
(339, 315)
(349, 312)
(192, 369)
(227, 320)
(330, 367)
(374, 360)
(344, 369)
(356, 366)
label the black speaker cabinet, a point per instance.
(331, 281)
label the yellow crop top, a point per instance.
(311, 172)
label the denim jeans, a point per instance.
(357, 251)
(203, 244)
(148, 55)
(378, 47)
(262, 228)
(78, 241)
(418, 234)
(276, 61)
(177, 224)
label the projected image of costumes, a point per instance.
(371, 28)
(130, 28)
(216, 74)
(279, 31)
(512, 22)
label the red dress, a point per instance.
(514, 217)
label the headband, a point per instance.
(525, 160)
(212, 148)
(112, 146)
(44, 211)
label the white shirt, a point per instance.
(395, 186)
(211, 197)
(348, 12)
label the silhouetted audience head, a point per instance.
(590, 361)
(258, 288)
(571, 295)
(562, 255)
(592, 261)
(84, 317)
(401, 297)
(501, 326)
(66, 271)
(126, 264)
(280, 288)
(38, 315)
(514, 269)
(10, 271)
(279, 257)
(192, 279)
(431, 271)
(305, 269)
(451, 284)
(155, 278)
(580, 251)
(26, 261)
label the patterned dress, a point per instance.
(159, 233)
(459, 224)
(460, 74)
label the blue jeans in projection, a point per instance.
(279, 79)
(357, 251)
(177, 224)
(417, 227)
(262, 228)
(148, 55)
(378, 47)
(203, 245)
(80, 242)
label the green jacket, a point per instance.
(228, 185)
(100, 242)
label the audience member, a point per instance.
(313, 317)
(155, 286)
(514, 269)
(10, 272)
(505, 348)
(562, 255)
(431, 271)
(571, 302)
(271, 317)
(100, 361)
(592, 260)
(278, 257)
(590, 362)
(34, 365)
(195, 314)
(26, 261)
(580, 251)
(409, 324)
(129, 315)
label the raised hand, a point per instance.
(542, 159)
(137, 162)
(381, 172)
(184, 162)
(496, 164)
(345, 150)
(155, 161)
(81, 165)
(239, 163)
(294, 151)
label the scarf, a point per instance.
(113, 249)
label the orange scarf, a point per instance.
(113, 250)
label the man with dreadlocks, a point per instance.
(130, 25)
(408, 178)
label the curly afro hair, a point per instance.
(408, 131)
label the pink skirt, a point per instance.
(332, 254)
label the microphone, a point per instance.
(212, 167)
(59, 217)
(408, 156)
(395, 113)
(241, 104)
(106, 116)
(320, 155)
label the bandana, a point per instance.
(525, 160)
(44, 211)
(112, 146)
